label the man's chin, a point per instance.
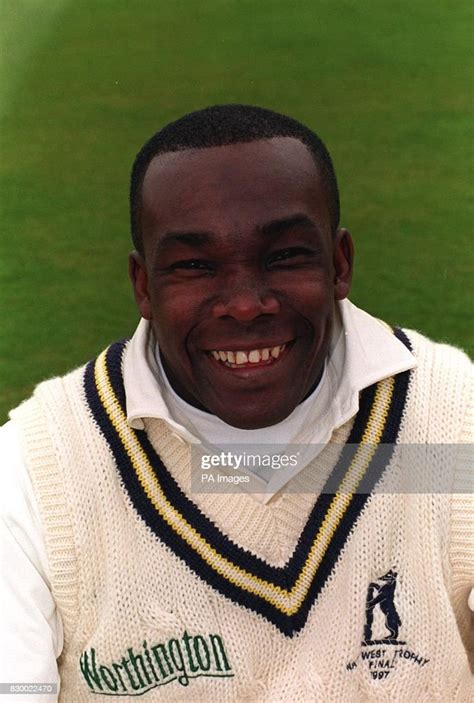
(256, 420)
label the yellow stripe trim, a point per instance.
(286, 601)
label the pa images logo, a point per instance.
(382, 647)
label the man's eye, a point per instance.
(192, 265)
(291, 256)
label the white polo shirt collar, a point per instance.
(364, 350)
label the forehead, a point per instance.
(239, 185)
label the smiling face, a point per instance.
(240, 275)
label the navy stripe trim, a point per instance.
(285, 576)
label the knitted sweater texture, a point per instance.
(330, 592)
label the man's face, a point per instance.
(240, 264)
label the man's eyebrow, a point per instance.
(275, 227)
(195, 239)
(199, 239)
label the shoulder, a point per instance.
(440, 392)
(52, 395)
(441, 367)
(49, 418)
(438, 353)
(60, 404)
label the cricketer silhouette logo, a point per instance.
(381, 594)
(382, 652)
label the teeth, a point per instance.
(276, 351)
(241, 357)
(254, 357)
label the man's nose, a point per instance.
(245, 302)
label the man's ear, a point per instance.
(343, 259)
(139, 277)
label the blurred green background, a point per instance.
(388, 85)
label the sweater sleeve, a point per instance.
(461, 543)
(32, 635)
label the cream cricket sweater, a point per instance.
(350, 586)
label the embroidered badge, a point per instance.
(382, 595)
(382, 627)
(143, 668)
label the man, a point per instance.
(142, 586)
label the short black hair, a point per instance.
(220, 125)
